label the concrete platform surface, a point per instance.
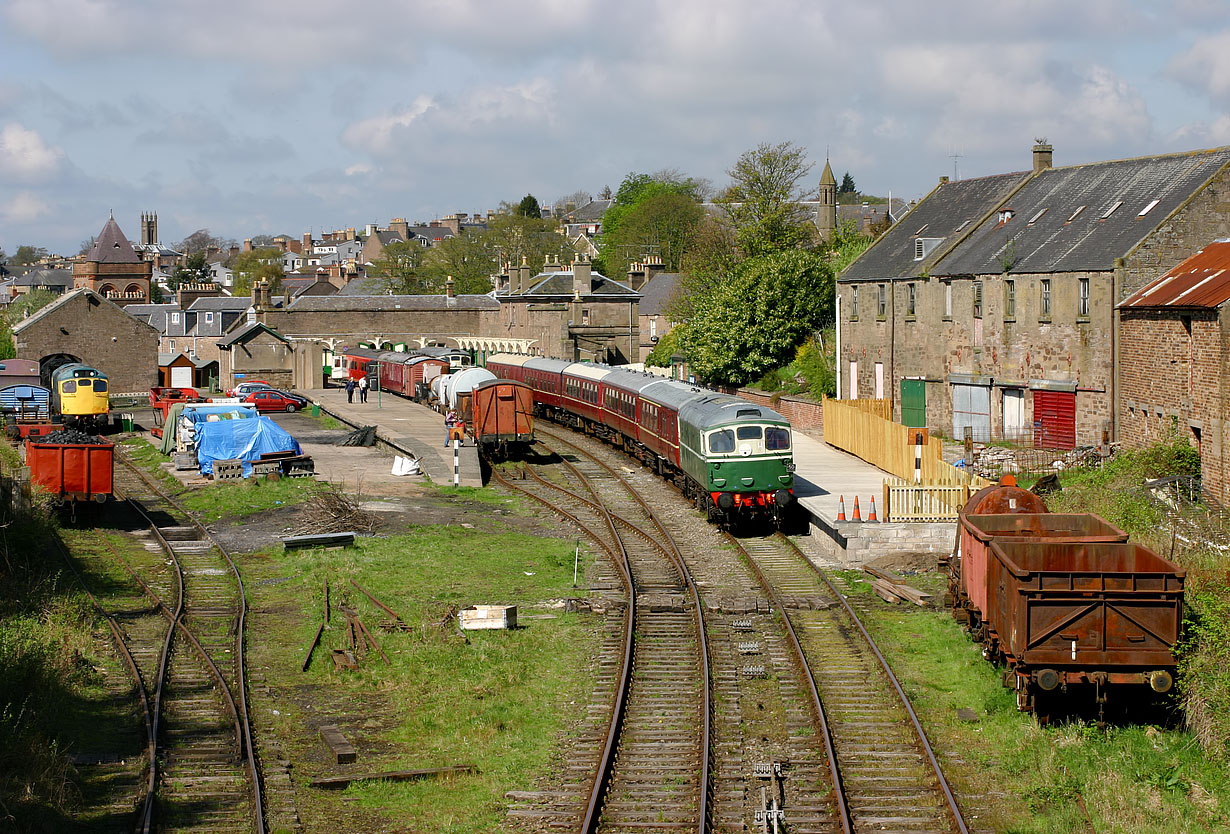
(412, 429)
(824, 474)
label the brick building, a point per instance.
(113, 269)
(991, 305)
(1174, 362)
(82, 326)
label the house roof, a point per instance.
(155, 315)
(386, 303)
(947, 212)
(1082, 217)
(560, 284)
(364, 286)
(45, 278)
(1203, 280)
(657, 294)
(591, 212)
(67, 298)
(216, 303)
(247, 332)
(112, 247)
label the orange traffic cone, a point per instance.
(841, 508)
(871, 516)
(858, 516)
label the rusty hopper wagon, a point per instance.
(1061, 598)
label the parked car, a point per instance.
(247, 387)
(271, 399)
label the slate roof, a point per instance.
(1203, 280)
(155, 315)
(364, 286)
(560, 284)
(45, 278)
(386, 303)
(1082, 217)
(112, 247)
(246, 332)
(949, 211)
(657, 294)
(591, 212)
(233, 303)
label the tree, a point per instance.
(256, 265)
(513, 237)
(202, 241)
(576, 199)
(471, 259)
(847, 184)
(763, 202)
(756, 320)
(195, 270)
(652, 214)
(87, 245)
(262, 240)
(23, 306)
(26, 255)
(398, 268)
(528, 207)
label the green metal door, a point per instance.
(914, 403)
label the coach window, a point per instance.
(722, 441)
(776, 439)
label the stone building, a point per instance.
(82, 326)
(113, 269)
(1174, 362)
(255, 351)
(1002, 320)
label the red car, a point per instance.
(273, 400)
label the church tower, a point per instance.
(113, 269)
(149, 228)
(826, 216)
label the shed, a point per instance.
(19, 372)
(176, 370)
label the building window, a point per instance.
(175, 318)
(1044, 305)
(1082, 310)
(977, 299)
(948, 301)
(209, 317)
(854, 304)
(1009, 300)
(882, 303)
(910, 298)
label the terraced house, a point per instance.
(991, 307)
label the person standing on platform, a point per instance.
(350, 386)
(363, 389)
(449, 422)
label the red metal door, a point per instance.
(1054, 419)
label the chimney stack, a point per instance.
(1042, 155)
(582, 275)
(247, 244)
(307, 243)
(449, 288)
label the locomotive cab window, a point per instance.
(83, 383)
(776, 439)
(100, 385)
(69, 387)
(749, 432)
(722, 441)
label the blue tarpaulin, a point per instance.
(244, 440)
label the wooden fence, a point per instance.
(865, 428)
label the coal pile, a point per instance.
(71, 436)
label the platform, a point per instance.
(407, 428)
(825, 474)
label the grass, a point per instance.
(222, 499)
(499, 699)
(1132, 778)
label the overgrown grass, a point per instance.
(1032, 779)
(496, 699)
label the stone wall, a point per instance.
(1173, 376)
(100, 334)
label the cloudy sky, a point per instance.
(255, 117)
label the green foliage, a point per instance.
(513, 237)
(755, 320)
(470, 258)
(528, 207)
(847, 185)
(398, 268)
(27, 255)
(810, 373)
(667, 346)
(25, 305)
(763, 202)
(195, 270)
(650, 215)
(257, 265)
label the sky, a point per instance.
(249, 117)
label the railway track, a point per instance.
(178, 621)
(653, 768)
(889, 775)
(810, 729)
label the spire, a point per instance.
(827, 177)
